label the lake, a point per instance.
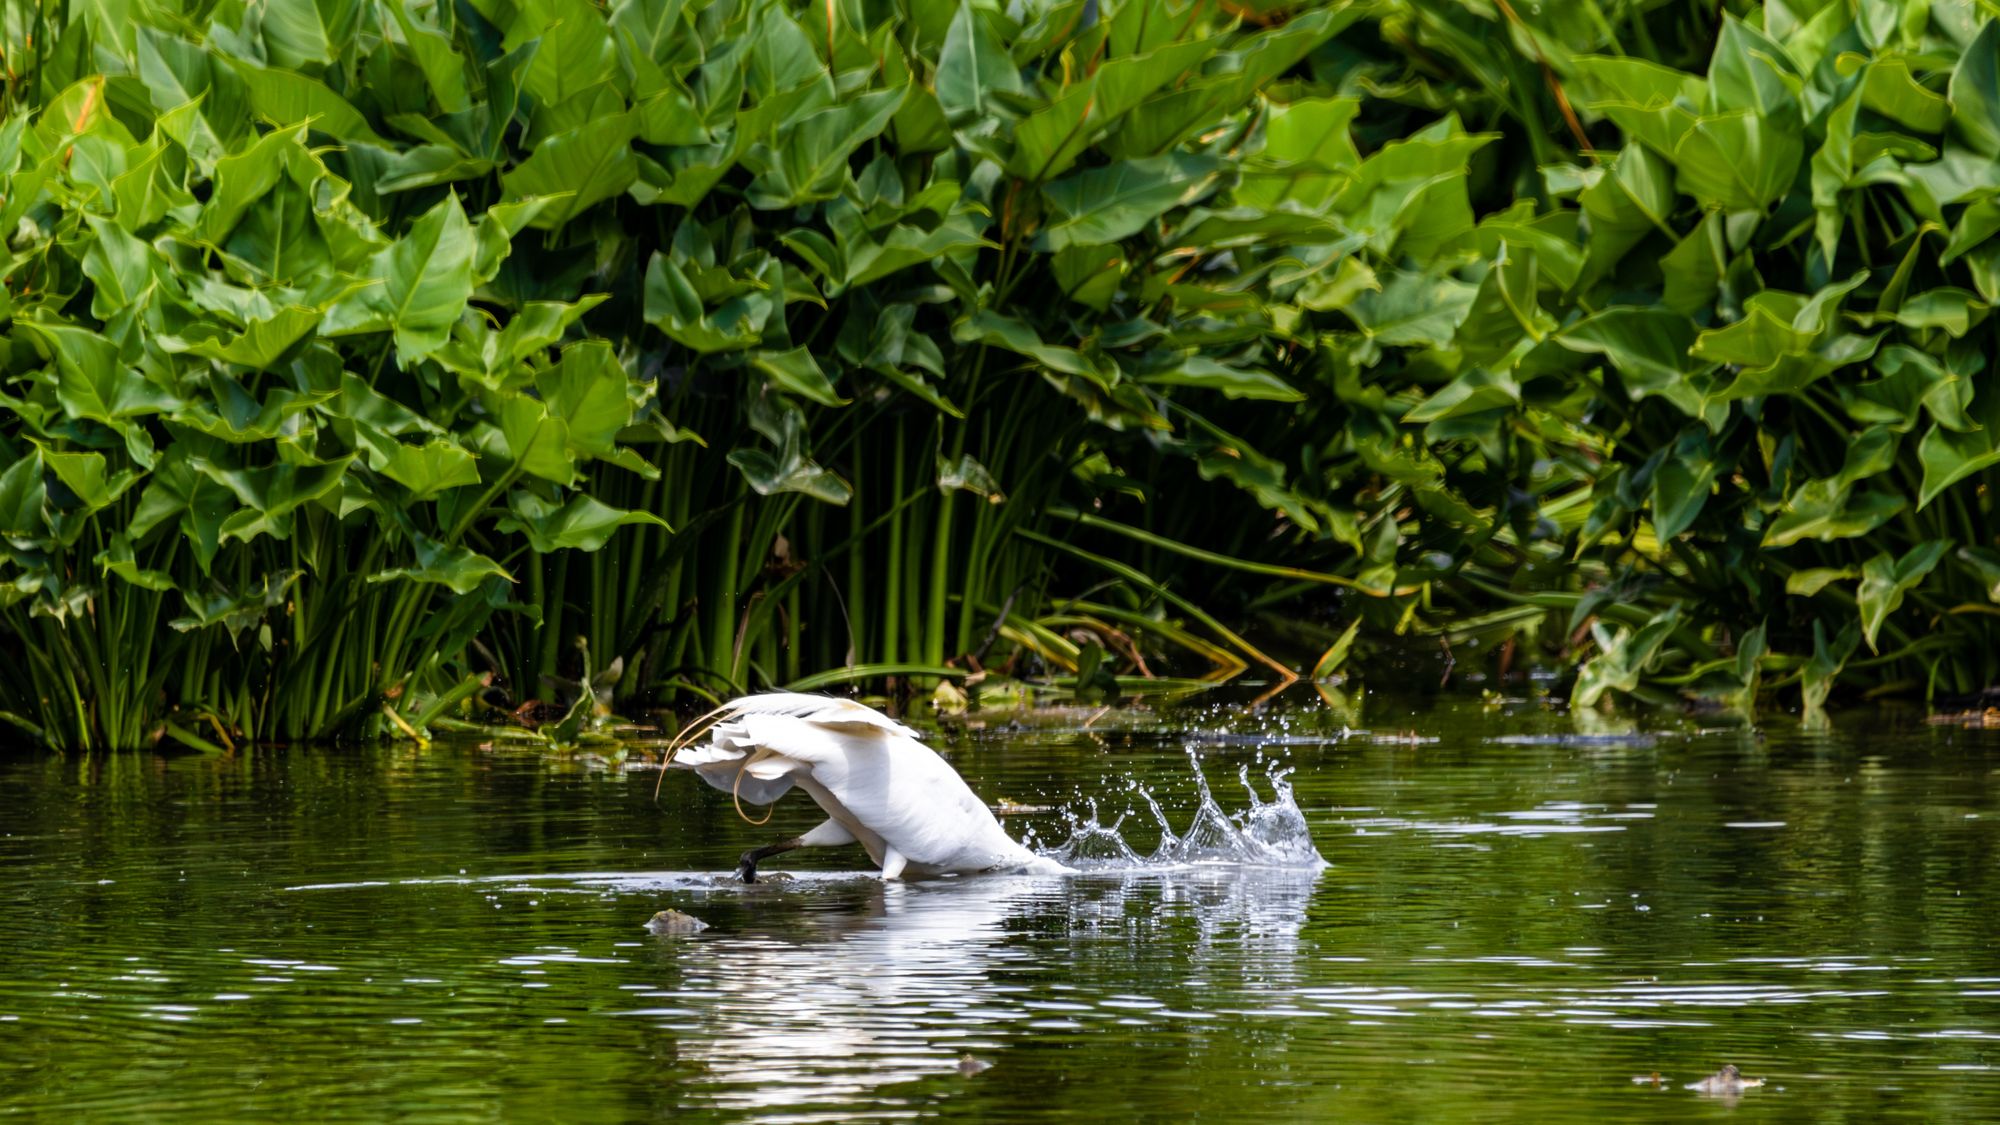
(1523, 916)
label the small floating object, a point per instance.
(1970, 720)
(969, 1066)
(1728, 1080)
(1005, 807)
(675, 922)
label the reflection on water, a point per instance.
(1518, 918)
(914, 976)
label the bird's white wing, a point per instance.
(761, 741)
(822, 710)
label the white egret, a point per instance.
(879, 785)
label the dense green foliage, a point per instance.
(356, 348)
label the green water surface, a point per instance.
(1521, 917)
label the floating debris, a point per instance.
(1728, 1080)
(1005, 807)
(969, 1066)
(1989, 719)
(675, 922)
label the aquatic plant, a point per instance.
(360, 355)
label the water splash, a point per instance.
(1265, 834)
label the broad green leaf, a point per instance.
(1477, 391)
(429, 166)
(497, 229)
(270, 494)
(123, 270)
(1233, 382)
(459, 569)
(235, 415)
(259, 345)
(1890, 89)
(1412, 309)
(1806, 583)
(973, 68)
(428, 469)
(1652, 104)
(1694, 269)
(576, 49)
(581, 524)
(1090, 275)
(1949, 457)
(1953, 310)
(443, 69)
(1975, 93)
(236, 612)
(1622, 659)
(906, 246)
(297, 35)
(93, 383)
(179, 490)
(89, 478)
(1052, 138)
(1885, 579)
(1827, 510)
(536, 443)
(537, 326)
(1506, 317)
(1760, 339)
(812, 156)
(1313, 132)
(287, 98)
(364, 405)
(587, 391)
(583, 166)
(1116, 201)
(22, 493)
(1739, 161)
(785, 466)
(1649, 347)
(118, 558)
(421, 284)
(1018, 336)
(177, 77)
(968, 475)
(1984, 564)
(1637, 81)
(1824, 668)
(1869, 453)
(1750, 71)
(1226, 456)
(673, 306)
(797, 372)
(1682, 483)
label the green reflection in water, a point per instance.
(1510, 929)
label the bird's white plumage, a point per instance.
(879, 785)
